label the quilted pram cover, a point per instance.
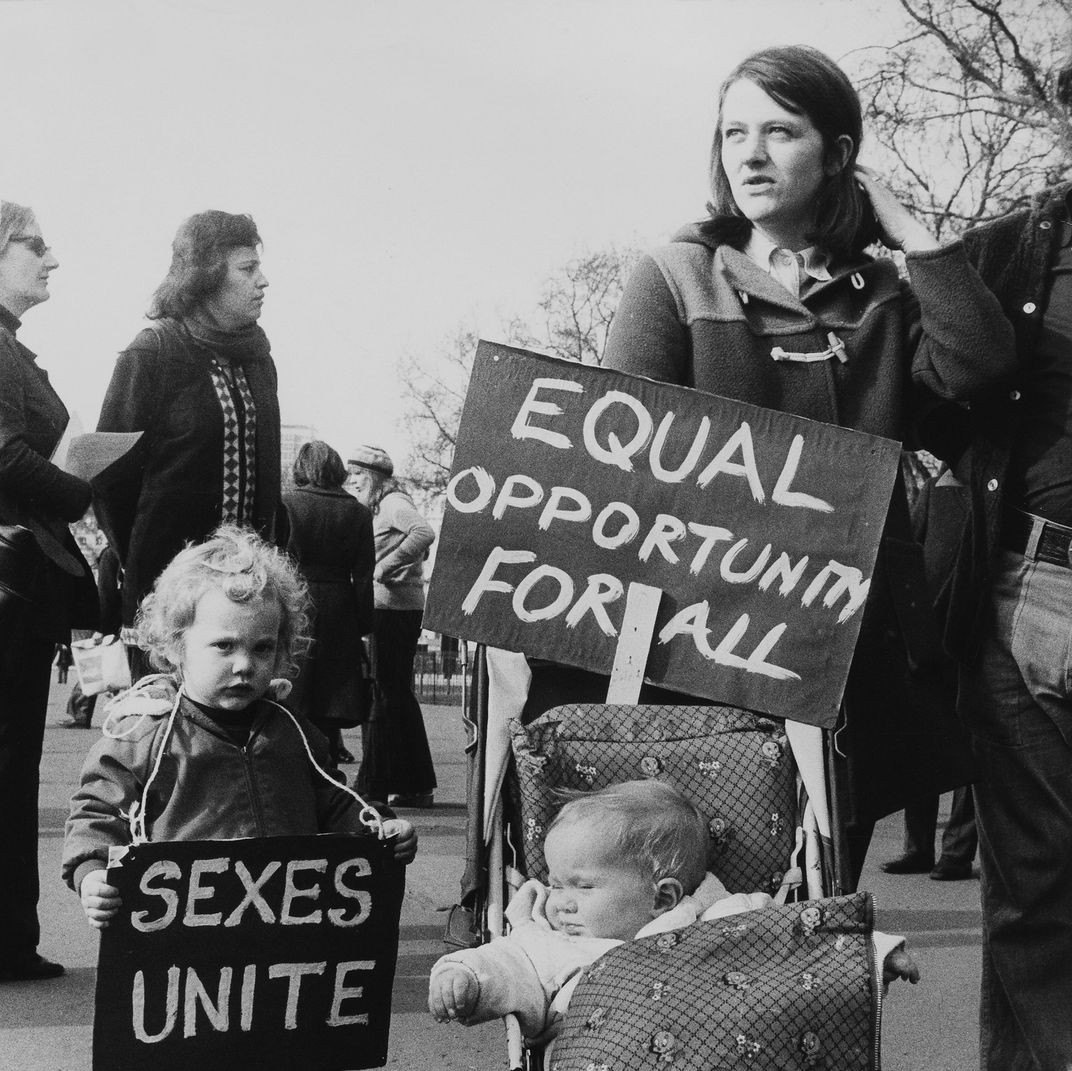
(735, 766)
(792, 987)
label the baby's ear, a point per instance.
(668, 894)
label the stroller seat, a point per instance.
(791, 986)
(734, 766)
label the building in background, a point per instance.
(291, 437)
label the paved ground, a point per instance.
(46, 1026)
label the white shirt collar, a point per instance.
(763, 251)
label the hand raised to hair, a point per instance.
(900, 229)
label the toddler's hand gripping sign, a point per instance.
(760, 528)
(276, 952)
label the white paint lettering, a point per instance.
(740, 440)
(294, 973)
(485, 489)
(555, 510)
(197, 891)
(781, 493)
(625, 534)
(655, 457)
(665, 529)
(615, 452)
(555, 606)
(293, 892)
(508, 498)
(602, 590)
(709, 535)
(171, 1006)
(484, 582)
(252, 896)
(168, 870)
(344, 992)
(522, 429)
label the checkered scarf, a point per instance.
(226, 351)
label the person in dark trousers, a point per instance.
(939, 515)
(47, 587)
(1010, 627)
(396, 760)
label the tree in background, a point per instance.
(962, 110)
(574, 316)
(579, 302)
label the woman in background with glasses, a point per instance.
(45, 584)
(200, 383)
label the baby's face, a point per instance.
(594, 894)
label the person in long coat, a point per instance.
(330, 538)
(200, 384)
(45, 583)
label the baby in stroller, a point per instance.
(626, 862)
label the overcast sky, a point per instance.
(411, 166)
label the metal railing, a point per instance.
(440, 678)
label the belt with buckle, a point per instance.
(1036, 538)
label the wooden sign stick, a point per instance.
(631, 654)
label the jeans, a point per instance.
(1016, 703)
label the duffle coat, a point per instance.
(703, 314)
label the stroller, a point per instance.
(762, 786)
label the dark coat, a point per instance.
(168, 490)
(1013, 255)
(331, 540)
(38, 495)
(704, 315)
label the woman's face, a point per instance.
(25, 265)
(238, 301)
(361, 483)
(773, 159)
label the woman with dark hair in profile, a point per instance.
(773, 300)
(200, 384)
(331, 541)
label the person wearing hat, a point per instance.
(396, 763)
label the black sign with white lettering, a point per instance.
(270, 953)
(760, 528)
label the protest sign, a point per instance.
(273, 953)
(760, 528)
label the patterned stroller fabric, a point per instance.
(792, 987)
(736, 768)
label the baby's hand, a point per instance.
(100, 901)
(452, 994)
(405, 838)
(900, 963)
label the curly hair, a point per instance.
(649, 822)
(239, 563)
(199, 260)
